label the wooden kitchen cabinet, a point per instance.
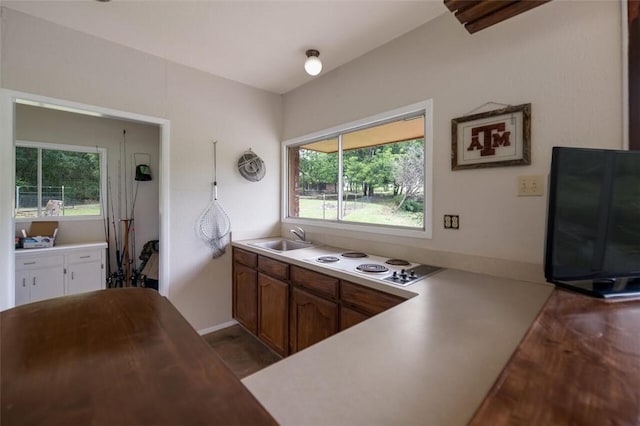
(311, 319)
(245, 257)
(274, 268)
(360, 303)
(367, 300)
(245, 296)
(290, 308)
(350, 317)
(273, 313)
(314, 281)
(261, 297)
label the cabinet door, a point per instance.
(273, 311)
(22, 287)
(312, 319)
(46, 283)
(83, 277)
(350, 317)
(245, 296)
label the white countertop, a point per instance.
(430, 360)
(59, 248)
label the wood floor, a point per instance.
(241, 351)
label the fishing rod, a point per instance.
(135, 275)
(104, 199)
(142, 173)
(117, 275)
(125, 260)
(105, 212)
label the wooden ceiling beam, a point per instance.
(481, 9)
(503, 14)
(459, 5)
(477, 15)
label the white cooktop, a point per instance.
(391, 271)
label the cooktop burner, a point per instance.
(398, 262)
(372, 267)
(327, 259)
(353, 254)
(394, 271)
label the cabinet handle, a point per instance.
(71, 274)
(29, 263)
(24, 282)
(84, 257)
(34, 280)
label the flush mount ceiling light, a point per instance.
(312, 65)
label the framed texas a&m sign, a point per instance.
(492, 139)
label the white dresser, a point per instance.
(59, 271)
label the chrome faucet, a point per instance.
(299, 232)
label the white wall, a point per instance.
(46, 59)
(563, 57)
(46, 125)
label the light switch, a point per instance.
(530, 186)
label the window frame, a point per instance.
(102, 153)
(424, 107)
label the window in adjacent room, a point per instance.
(373, 173)
(58, 180)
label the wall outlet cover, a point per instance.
(530, 186)
(451, 221)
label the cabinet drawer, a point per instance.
(273, 268)
(38, 261)
(369, 300)
(320, 283)
(245, 257)
(84, 256)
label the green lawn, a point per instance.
(78, 210)
(380, 211)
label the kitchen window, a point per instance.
(61, 181)
(374, 174)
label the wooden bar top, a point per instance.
(579, 364)
(115, 357)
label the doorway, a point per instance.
(10, 103)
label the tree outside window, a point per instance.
(382, 180)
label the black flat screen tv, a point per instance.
(593, 221)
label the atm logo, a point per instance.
(487, 138)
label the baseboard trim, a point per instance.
(217, 327)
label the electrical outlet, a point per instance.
(451, 221)
(530, 186)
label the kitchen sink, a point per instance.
(283, 244)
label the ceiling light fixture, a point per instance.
(312, 65)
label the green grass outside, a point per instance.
(379, 211)
(78, 210)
